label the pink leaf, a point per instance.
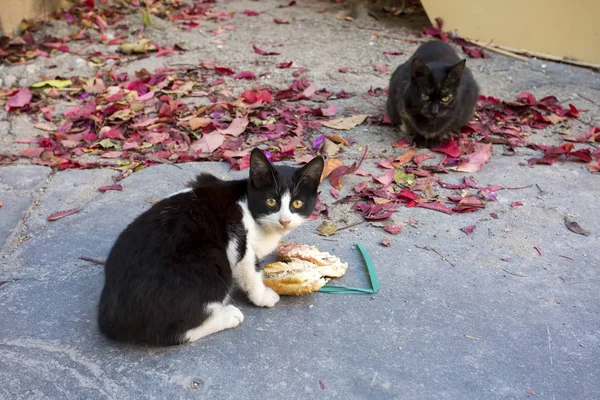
(110, 187)
(262, 52)
(209, 142)
(285, 64)
(381, 68)
(400, 144)
(516, 204)
(385, 179)
(435, 206)
(245, 75)
(224, 71)
(32, 152)
(482, 155)
(18, 99)
(251, 13)
(236, 128)
(281, 21)
(343, 70)
(62, 214)
(468, 229)
(393, 229)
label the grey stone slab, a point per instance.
(23, 177)
(11, 213)
(67, 190)
(485, 328)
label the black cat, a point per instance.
(432, 94)
(169, 275)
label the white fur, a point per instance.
(270, 222)
(180, 191)
(232, 252)
(222, 317)
(259, 243)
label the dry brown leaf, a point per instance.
(344, 124)
(327, 229)
(335, 138)
(153, 200)
(405, 158)
(197, 122)
(330, 165)
(329, 148)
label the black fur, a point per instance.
(171, 260)
(434, 70)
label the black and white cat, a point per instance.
(169, 275)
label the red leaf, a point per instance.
(385, 179)
(516, 204)
(582, 154)
(435, 206)
(110, 187)
(18, 99)
(299, 72)
(419, 158)
(393, 53)
(334, 193)
(224, 71)
(251, 13)
(252, 96)
(164, 51)
(448, 147)
(245, 75)
(468, 229)
(320, 381)
(381, 68)
(281, 21)
(387, 242)
(335, 178)
(494, 215)
(538, 250)
(475, 52)
(285, 64)
(61, 214)
(400, 144)
(343, 70)
(260, 51)
(393, 229)
(209, 142)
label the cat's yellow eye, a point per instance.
(445, 99)
(271, 202)
(424, 97)
(297, 203)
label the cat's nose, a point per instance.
(435, 110)
(284, 223)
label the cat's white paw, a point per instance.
(266, 297)
(232, 316)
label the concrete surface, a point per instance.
(501, 322)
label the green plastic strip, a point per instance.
(352, 290)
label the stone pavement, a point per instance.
(493, 319)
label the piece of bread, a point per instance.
(328, 265)
(293, 278)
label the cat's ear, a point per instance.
(309, 176)
(419, 69)
(453, 77)
(262, 173)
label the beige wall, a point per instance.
(12, 12)
(562, 28)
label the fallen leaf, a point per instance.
(330, 165)
(346, 123)
(153, 200)
(56, 83)
(224, 71)
(18, 99)
(197, 122)
(209, 142)
(251, 13)
(110, 187)
(343, 70)
(475, 162)
(62, 214)
(285, 64)
(576, 228)
(262, 52)
(385, 179)
(400, 144)
(335, 138)
(393, 229)
(472, 337)
(1, 204)
(405, 158)
(326, 229)
(468, 229)
(140, 47)
(538, 250)
(245, 75)
(381, 68)
(516, 204)
(387, 242)
(281, 21)
(236, 128)
(448, 147)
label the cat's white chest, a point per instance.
(261, 242)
